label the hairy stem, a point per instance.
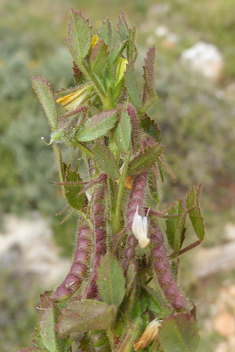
(84, 149)
(116, 220)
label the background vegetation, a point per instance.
(196, 115)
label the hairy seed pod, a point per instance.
(135, 200)
(99, 238)
(165, 277)
(136, 196)
(79, 266)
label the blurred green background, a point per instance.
(196, 116)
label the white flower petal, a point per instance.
(140, 228)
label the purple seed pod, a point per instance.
(165, 277)
(79, 266)
(136, 196)
(99, 239)
(135, 200)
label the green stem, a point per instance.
(108, 104)
(142, 111)
(110, 337)
(83, 148)
(71, 157)
(98, 86)
(84, 216)
(116, 220)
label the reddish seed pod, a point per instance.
(136, 196)
(99, 238)
(165, 277)
(79, 266)
(136, 199)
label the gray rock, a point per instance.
(27, 247)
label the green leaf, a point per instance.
(105, 32)
(130, 276)
(151, 128)
(99, 341)
(160, 170)
(153, 187)
(162, 164)
(71, 191)
(106, 160)
(79, 78)
(85, 315)
(123, 27)
(131, 47)
(153, 303)
(192, 200)
(45, 336)
(46, 97)
(97, 126)
(175, 225)
(149, 85)
(144, 161)
(122, 132)
(111, 281)
(131, 85)
(179, 333)
(138, 303)
(127, 34)
(79, 34)
(116, 52)
(85, 344)
(130, 337)
(99, 57)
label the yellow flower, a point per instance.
(94, 40)
(73, 100)
(120, 68)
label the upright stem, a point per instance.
(107, 100)
(116, 219)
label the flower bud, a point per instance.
(148, 336)
(140, 228)
(78, 97)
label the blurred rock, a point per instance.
(230, 90)
(224, 324)
(230, 232)
(27, 247)
(208, 261)
(224, 319)
(205, 58)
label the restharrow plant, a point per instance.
(121, 293)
